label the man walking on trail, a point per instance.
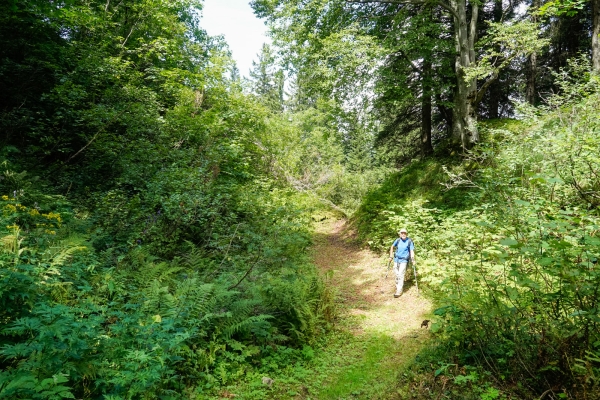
(405, 250)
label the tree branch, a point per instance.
(246, 274)
(484, 88)
(95, 136)
(412, 64)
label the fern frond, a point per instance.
(151, 272)
(61, 257)
(196, 260)
(12, 243)
(244, 325)
(195, 297)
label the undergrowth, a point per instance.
(507, 244)
(79, 322)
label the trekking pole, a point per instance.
(414, 265)
(387, 268)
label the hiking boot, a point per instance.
(396, 295)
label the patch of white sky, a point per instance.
(242, 30)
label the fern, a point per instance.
(195, 299)
(195, 259)
(61, 257)
(244, 325)
(161, 272)
(11, 244)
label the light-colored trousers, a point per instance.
(400, 271)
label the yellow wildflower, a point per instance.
(52, 215)
(4, 197)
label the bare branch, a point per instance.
(246, 274)
(484, 87)
(412, 64)
(96, 135)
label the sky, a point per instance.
(235, 20)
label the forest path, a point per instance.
(379, 334)
(363, 290)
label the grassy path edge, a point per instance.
(383, 334)
(375, 337)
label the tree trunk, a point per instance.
(445, 113)
(530, 91)
(464, 120)
(531, 77)
(596, 36)
(494, 102)
(426, 147)
(495, 89)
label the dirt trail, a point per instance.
(376, 336)
(359, 277)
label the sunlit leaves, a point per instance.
(505, 42)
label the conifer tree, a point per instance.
(267, 79)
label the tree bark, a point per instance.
(464, 119)
(596, 36)
(445, 113)
(496, 90)
(426, 147)
(464, 112)
(531, 77)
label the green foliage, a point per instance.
(175, 256)
(156, 245)
(561, 7)
(504, 43)
(145, 325)
(267, 80)
(514, 268)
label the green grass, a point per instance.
(341, 366)
(421, 180)
(373, 373)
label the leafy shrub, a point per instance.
(514, 269)
(86, 321)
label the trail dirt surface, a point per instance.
(383, 334)
(359, 275)
(374, 339)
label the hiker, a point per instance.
(405, 250)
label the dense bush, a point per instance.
(151, 248)
(78, 323)
(514, 265)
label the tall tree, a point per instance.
(267, 79)
(472, 77)
(465, 16)
(572, 28)
(421, 51)
(530, 91)
(596, 36)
